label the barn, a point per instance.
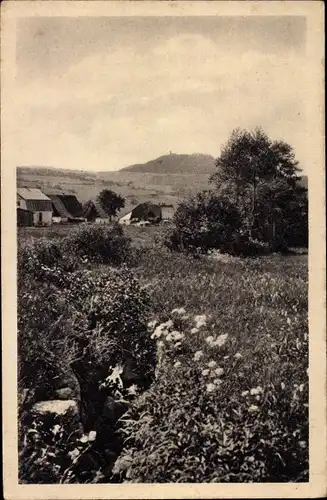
(167, 212)
(146, 211)
(33, 200)
(66, 208)
(93, 212)
(24, 217)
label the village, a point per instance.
(36, 208)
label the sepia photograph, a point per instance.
(161, 167)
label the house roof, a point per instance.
(66, 206)
(32, 194)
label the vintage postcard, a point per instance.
(163, 249)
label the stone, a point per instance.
(65, 393)
(56, 407)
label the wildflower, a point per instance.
(177, 364)
(132, 390)
(219, 371)
(198, 355)
(84, 439)
(288, 321)
(194, 330)
(255, 391)
(74, 454)
(162, 329)
(92, 435)
(210, 387)
(205, 372)
(210, 339)
(244, 393)
(221, 340)
(200, 320)
(253, 408)
(282, 385)
(152, 324)
(175, 335)
(238, 355)
(180, 311)
(56, 428)
(302, 444)
(212, 364)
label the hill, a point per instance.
(176, 164)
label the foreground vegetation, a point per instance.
(219, 346)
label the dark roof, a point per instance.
(145, 211)
(66, 206)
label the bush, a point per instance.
(201, 422)
(204, 222)
(99, 244)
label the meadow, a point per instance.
(229, 400)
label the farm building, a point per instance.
(66, 208)
(24, 217)
(146, 211)
(93, 212)
(167, 212)
(38, 203)
(126, 220)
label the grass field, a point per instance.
(239, 404)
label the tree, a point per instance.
(111, 202)
(89, 210)
(261, 177)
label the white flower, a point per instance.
(210, 387)
(74, 454)
(210, 339)
(256, 390)
(132, 390)
(84, 439)
(212, 364)
(175, 335)
(198, 355)
(219, 371)
(92, 435)
(161, 329)
(303, 444)
(194, 330)
(56, 428)
(253, 408)
(180, 311)
(288, 321)
(205, 372)
(282, 385)
(244, 393)
(177, 364)
(238, 355)
(221, 340)
(152, 324)
(200, 320)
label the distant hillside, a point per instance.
(176, 164)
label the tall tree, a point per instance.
(111, 202)
(255, 173)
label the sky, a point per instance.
(102, 93)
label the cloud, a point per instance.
(186, 94)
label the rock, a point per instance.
(56, 407)
(66, 393)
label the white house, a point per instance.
(126, 220)
(35, 201)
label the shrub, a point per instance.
(99, 244)
(201, 422)
(203, 222)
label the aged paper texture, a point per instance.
(130, 90)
